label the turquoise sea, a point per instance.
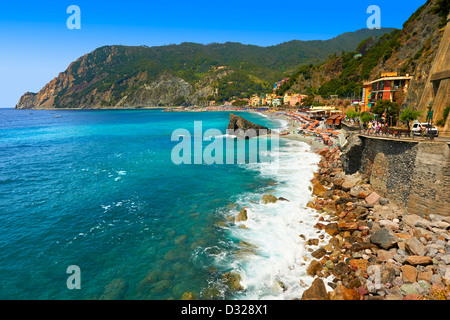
(97, 189)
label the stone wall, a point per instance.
(413, 174)
(430, 190)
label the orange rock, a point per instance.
(318, 189)
(347, 225)
(343, 293)
(402, 236)
(332, 229)
(419, 260)
(409, 273)
(361, 264)
(317, 291)
(319, 226)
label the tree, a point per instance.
(308, 101)
(391, 109)
(366, 117)
(352, 114)
(409, 115)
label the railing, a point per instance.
(387, 132)
(398, 133)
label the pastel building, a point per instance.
(384, 88)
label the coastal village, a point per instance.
(316, 116)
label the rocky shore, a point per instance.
(376, 250)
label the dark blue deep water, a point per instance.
(98, 189)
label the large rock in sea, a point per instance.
(233, 281)
(245, 129)
(269, 198)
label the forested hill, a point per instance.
(140, 76)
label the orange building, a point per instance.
(384, 88)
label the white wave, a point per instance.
(275, 228)
(262, 114)
(284, 125)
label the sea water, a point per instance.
(97, 189)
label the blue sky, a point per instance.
(36, 44)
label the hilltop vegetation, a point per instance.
(125, 76)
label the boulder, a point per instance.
(318, 189)
(414, 220)
(245, 129)
(387, 273)
(319, 253)
(310, 204)
(389, 224)
(372, 198)
(233, 281)
(409, 273)
(341, 268)
(316, 291)
(419, 260)
(343, 293)
(347, 225)
(347, 185)
(359, 264)
(269, 198)
(313, 268)
(415, 247)
(413, 296)
(242, 215)
(407, 289)
(332, 229)
(312, 242)
(188, 296)
(384, 238)
(351, 152)
(425, 276)
(384, 255)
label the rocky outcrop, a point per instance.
(244, 129)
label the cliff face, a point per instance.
(420, 39)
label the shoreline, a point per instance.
(314, 143)
(377, 251)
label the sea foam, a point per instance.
(276, 269)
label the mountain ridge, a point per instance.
(141, 76)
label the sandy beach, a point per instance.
(292, 126)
